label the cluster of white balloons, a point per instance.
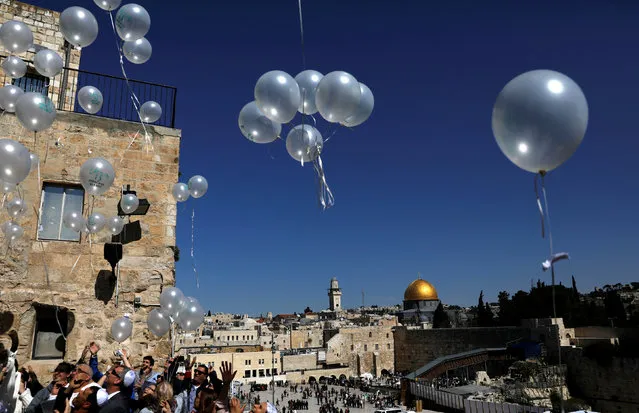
(338, 97)
(35, 111)
(16, 162)
(196, 188)
(540, 119)
(175, 307)
(96, 176)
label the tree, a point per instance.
(614, 307)
(440, 318)
(507, 314)
(484, 314)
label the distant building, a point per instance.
(334, 296)
(420, 303)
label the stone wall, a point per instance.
(610, 386)
(305, 375)
(364, 349)
(299, 362)
(45, 25)
(74, 268)
(417, 347)
(306, 338)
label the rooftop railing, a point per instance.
(118, 104)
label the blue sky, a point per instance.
(421, 186)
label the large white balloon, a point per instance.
(16, 37)
(191, 315)
(90, 99)
(137, 51)
(48, 63)
(337, 96)
(256, 127)
(121, 329)
(132, 22)
(78, 26)
(304, 143)
(364, 109)
(35, 111)
(150, 111)
(97, 176)
(115, 225)
(539, 120)
(158, 322)
(108, 5)
(198, 185)
(95, 222)
(129, 203)
(181, 192)
(9, 96)
(16, 208)
(171, 300)
(15, 161)
(278, 96)
(14, 67)
(308, 81)
(74, 221)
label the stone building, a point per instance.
(363, 349)
(57, 292)
(257, 366)
(334, 296)
(420, 303)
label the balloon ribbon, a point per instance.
(197, 280)
(539, 207)
(324, 193)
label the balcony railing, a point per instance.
(62, 90)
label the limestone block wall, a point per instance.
(147, 265)
(304, 376)
(610, 387)
(415, 348)
(364, 349)
(45, 25)
(299, 362)
(307, 338)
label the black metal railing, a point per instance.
(118, 104)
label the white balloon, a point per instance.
(78, 26)
(9, 96)
(129, 203)
(171, 300)
(181, 192)
(198, 185)
(16, 37)
(108, 5)
(115, 225)
(256, 127)
(364, 109)
(308, 81)
(95, 222)
(304, 143)
(132, 22)
(35, 111)
(6, 187)
(74, 221)
(16, 208)
(337, 96)
(278, 96)
(137, 51)
(14, 67)
(15, 161)
(121, 329)
(15, 232)
(150, 111)
(90, 99)
(48, 63)
(97, 176)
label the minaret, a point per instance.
(334, 296)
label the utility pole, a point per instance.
(272, 366)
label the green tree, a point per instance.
(484, 315)
(507, 312)
(614, 307)
(440, 317)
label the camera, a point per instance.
(181, 369)
(118, 353)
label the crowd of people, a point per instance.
(180, 386)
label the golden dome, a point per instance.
(420, 290)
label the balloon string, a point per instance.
(299, 7)
(134, 97)
(130, 144)
(539, 207)
(193, 263)
(324, 193)
(90, 235)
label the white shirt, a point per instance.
(74, 395)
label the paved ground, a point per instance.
(313, 407)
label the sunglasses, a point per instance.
(115, 373)
(198, 372)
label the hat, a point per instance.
(129, 378)
(102, 396)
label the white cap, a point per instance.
(129, 378)
(102, 396)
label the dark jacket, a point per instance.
(116, 404)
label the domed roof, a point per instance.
(420, 290)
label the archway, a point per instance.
(312, 380)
